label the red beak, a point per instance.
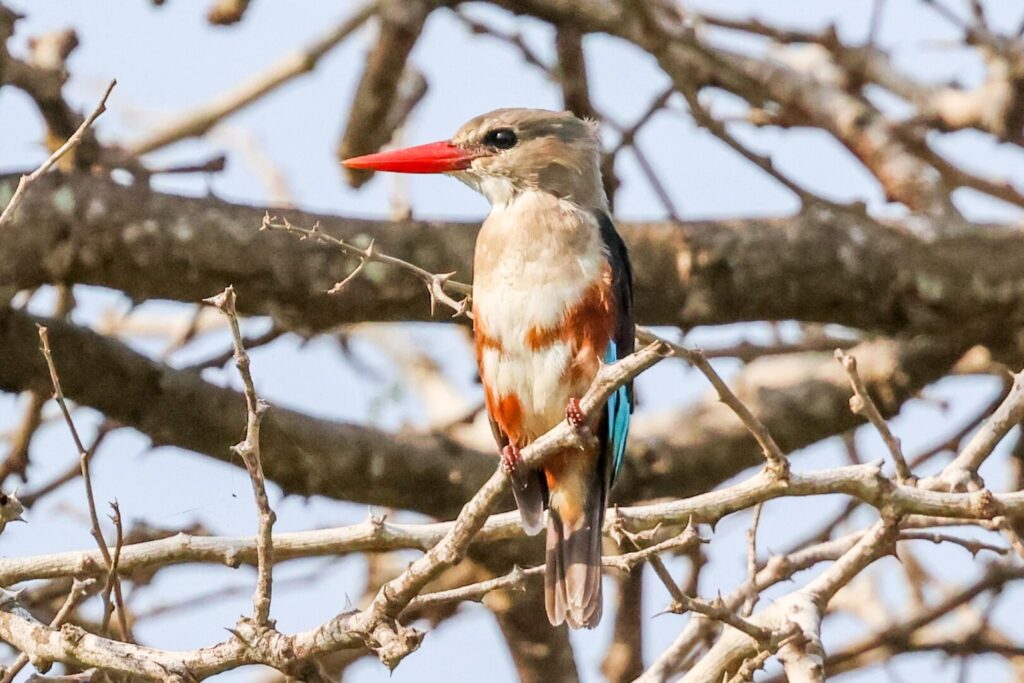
(436, 157)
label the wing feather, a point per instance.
(623, 342)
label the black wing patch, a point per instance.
(615, 422)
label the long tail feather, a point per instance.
(572, 580)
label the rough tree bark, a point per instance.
(818, 266)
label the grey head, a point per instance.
(519, 150)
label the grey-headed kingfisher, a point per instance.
(552, 300)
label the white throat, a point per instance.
(499, 191)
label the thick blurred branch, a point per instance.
(302, 454)
(227, 12)
(73, 141)
(686, 452)
(388, 89)
(839, 267)
(16, 460)
(995, 106)
(42, 78)
(624, 660)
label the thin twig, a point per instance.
(250, 343)
(971, 546)
(751, 600)
(71, 143)
(627, 138)
(200, 120)
(83, 453)
(747, 351)
(249, 450)
(206, 598)
(16, 461)
(953, 443)
(437, 283)
(683, 603)
(113, 582)
(516, 40)
(84, 456)
(962, 472)
(997, 575)
(704, 119)
(775, 457)
(73, 471)
(862, 404)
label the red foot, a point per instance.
(574, 414)
(510, 459)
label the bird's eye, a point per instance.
(501, 138)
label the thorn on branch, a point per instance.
(438, 285)
(11, 509)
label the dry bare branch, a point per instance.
(249, 450)
(962, 473)
(893, 278)
(862, 404)
(26, 180)
(113, 582)
(79, 590)
(776, 459)
(16, 460)
(374, 627)
(380, 104)
(200, 120)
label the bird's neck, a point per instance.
(528, 216)
(503, 193)
(535, 237)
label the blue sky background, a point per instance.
(168, 60)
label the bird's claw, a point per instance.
(574, 414)
(510, 459)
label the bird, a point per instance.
(552, 300)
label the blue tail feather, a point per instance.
(619, 410)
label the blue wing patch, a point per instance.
(619, 410)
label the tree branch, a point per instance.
(375, 626)
(249, 450)
(198, 121)
(842, 268)
(682, 453)
(26, 180)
